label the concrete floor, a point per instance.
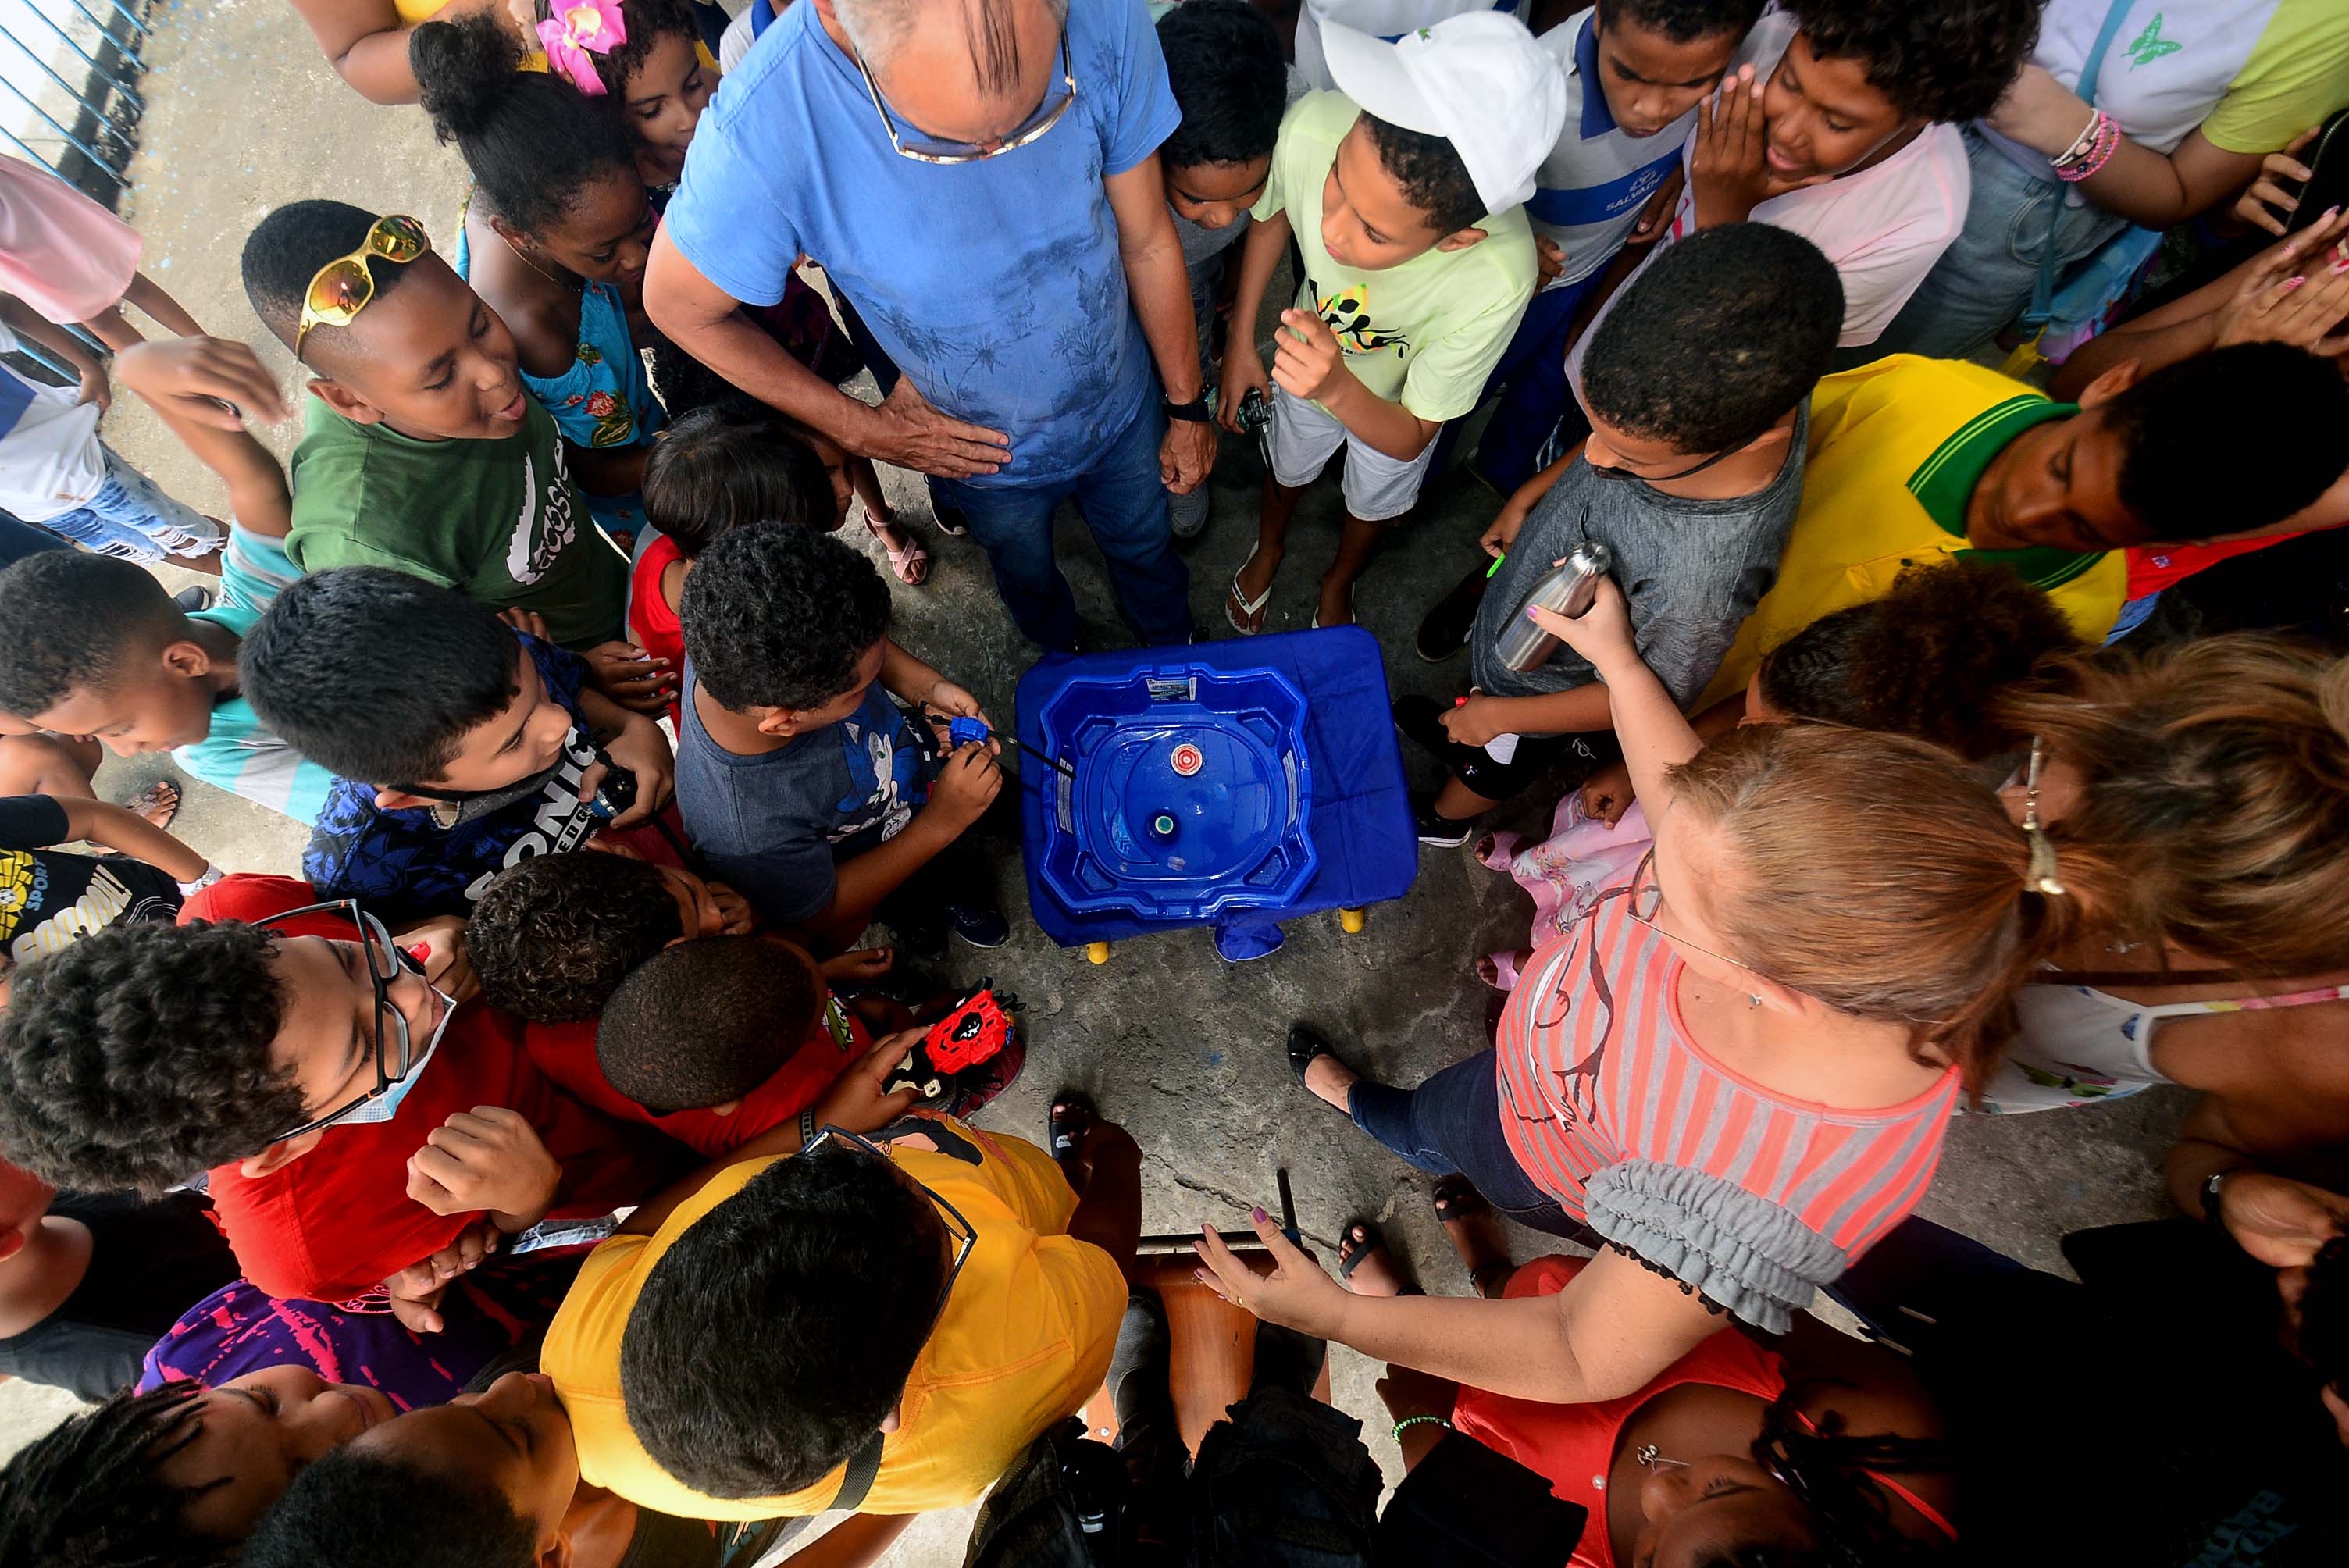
(1184, 1049)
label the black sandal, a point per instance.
(1305, 1043)
(1067, 1123)
(1373, 1241)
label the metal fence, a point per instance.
(89, 124)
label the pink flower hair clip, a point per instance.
(578, 32)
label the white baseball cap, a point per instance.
(1478, 80)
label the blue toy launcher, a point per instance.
(1231, 785)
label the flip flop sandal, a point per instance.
(1373, 1241)
(163, 796)
(1065, 1128)
(1249, 609)
(1504, 971)
(1304, 1045)
(1350, 610)
(1498, 850)
(1456, 1198)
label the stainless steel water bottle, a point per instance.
(1568, 588)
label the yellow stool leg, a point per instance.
(1097, 952)
(1350, 921)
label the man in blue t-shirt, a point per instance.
(984, 188)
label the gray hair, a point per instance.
(880, 27)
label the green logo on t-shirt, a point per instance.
(2150, 45)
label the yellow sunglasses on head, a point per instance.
(343, 287)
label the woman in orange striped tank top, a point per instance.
(1734, 1077)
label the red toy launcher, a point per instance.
(963, 1058)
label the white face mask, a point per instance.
(385, 1105)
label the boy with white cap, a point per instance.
(1402, 192)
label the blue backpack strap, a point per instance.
(2043, 291)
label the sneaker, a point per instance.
(194, 599)
(1443, 833)
(1444, 631)
(1188, 513)
(981, 926)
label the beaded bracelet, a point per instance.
(1410, 1421)
(2108, 142)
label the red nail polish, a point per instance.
(420, 951)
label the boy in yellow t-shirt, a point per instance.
(880, 1326)
(1403, 194)
(1916, 460)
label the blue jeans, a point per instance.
(132, 517)
(1124, 502)
(1451, 1126)
(1985, 279)
(1531, 382)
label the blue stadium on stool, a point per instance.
(1231, 785)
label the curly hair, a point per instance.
(1431, 175)
(139, 1055)
(1947, 62)
(1926, 659)
(780, 617)
(2217, 771)
(552, 938)
(708, 1021)
(85, 1494)
(96, 613)
(533, 141)
(351, 1508)
(1720, 338)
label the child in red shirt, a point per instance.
(360, 1128)
(714, 469)
(712, 1041)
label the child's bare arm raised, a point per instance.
(204, 388)
(30, 326)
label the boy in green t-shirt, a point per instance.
(421, 451)
(1401, 192)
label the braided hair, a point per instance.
(86, 1495)
(1830, 1473)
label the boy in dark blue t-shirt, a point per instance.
(478, 746)
(799, 777)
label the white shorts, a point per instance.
(1301, 440)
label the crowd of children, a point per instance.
(535, 1179)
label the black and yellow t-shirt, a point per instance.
(49, 898)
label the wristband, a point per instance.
(807, 1127)
(1195, 412)
(1410, 1421)
(211, 873)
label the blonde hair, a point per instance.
(1880, 876)
(2217, 771)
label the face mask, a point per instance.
(386, 1106)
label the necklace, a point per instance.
(1651, 1457)
(523, 257)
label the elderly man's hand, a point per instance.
(1187, 456)
(908, 431)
